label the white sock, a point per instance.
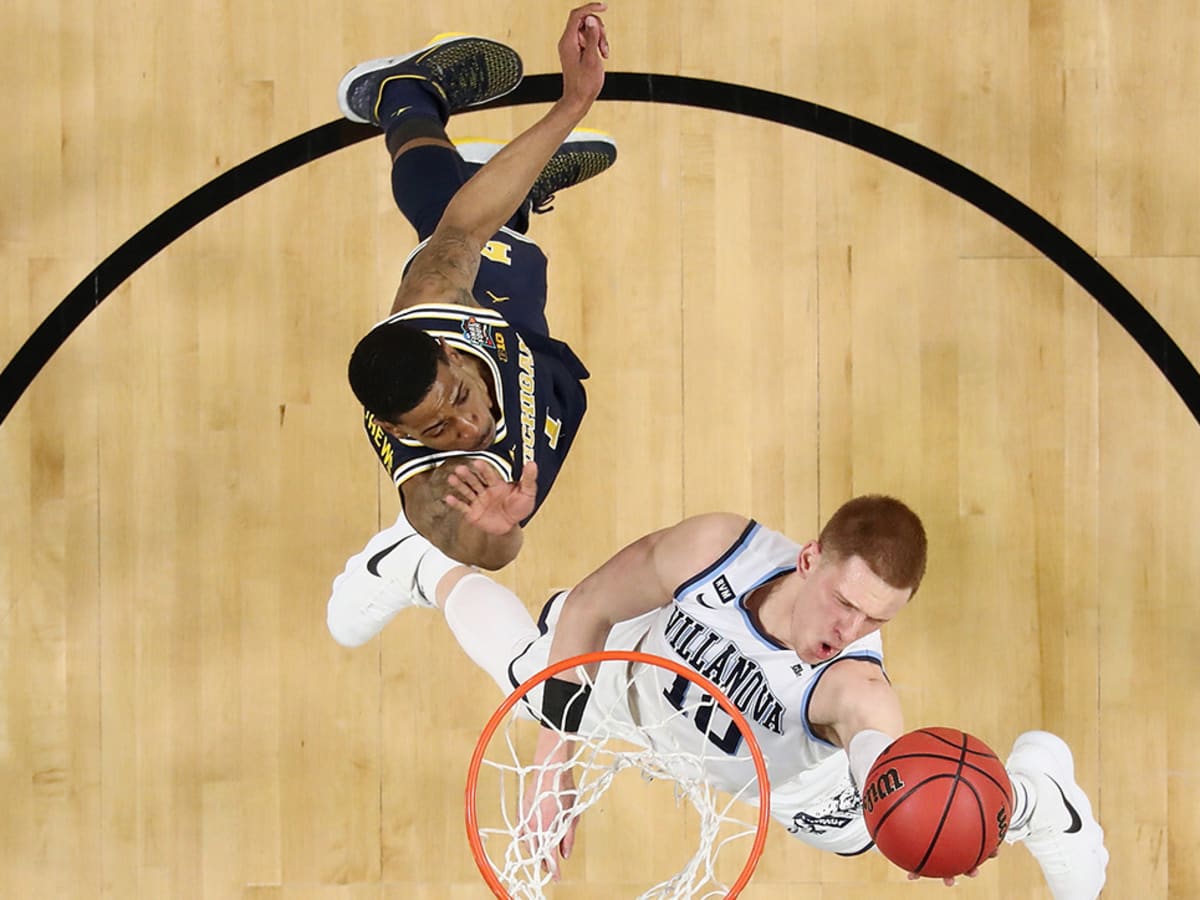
(1024, 797)
(431, 567)
(490, 623)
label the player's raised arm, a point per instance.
(446, 268)
(640, 578)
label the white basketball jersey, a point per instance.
(708, 629)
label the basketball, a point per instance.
(937, 802)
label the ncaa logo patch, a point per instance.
(478, 333)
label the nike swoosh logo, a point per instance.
(1076, 822)
(374, 561)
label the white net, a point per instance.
(670, 748)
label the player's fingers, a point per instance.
(577, 15)
(469, 511)
(485, 472)
(469, 478)
(568, 841)
(550, 858)
(458, 485)
(593, 38)
(575, 18)
(529, 478)
(602, 38)
(578, 22)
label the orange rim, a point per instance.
(485, 737)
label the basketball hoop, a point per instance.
(511, 861)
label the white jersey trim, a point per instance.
(425, 463)
(751, 625)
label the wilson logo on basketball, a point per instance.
(1002, 822)
(885, 785)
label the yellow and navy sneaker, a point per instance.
(463, 69)
(584, 154)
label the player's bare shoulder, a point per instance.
(442, 272)
(699, 541)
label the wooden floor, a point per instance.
(773, 321)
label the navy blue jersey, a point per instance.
(539, 380)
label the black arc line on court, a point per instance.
(629, 86)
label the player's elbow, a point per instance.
(497, 557)
(475, 547)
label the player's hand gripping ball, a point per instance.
(937, 802)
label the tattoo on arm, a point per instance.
(444, 271)
(424, 498)
(444, 519)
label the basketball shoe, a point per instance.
(463, 70)
(584, 154)
(1060, 831)
(379, 582)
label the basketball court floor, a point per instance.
(774, 320)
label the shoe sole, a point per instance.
(386, 62)
(478, 150)
(1049, 743)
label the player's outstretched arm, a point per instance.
(853, 700)
(445, 269)
(641, 578)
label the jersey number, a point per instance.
(727, 742)
(497, 252)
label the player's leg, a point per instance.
(411, 97)
(1053, 818)
(488, 620)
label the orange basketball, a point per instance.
(937, 802)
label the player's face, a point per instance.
(838, 602)
(456, 413)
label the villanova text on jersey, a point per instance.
(719, 660)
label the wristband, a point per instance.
(563, 703)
